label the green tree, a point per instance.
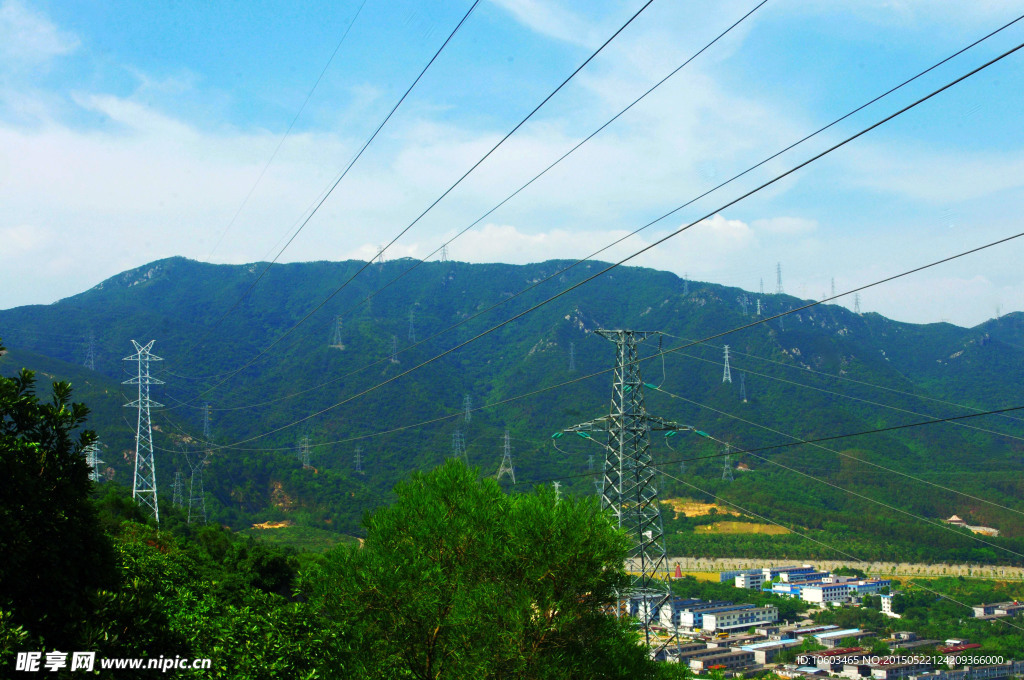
(458, 579)
(54, 554)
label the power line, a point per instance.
(814, 540)
(287, 132)
(431, 206)
(816, 443)
(338, 180)
(658, 242)
(735, 177)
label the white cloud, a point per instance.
(549, 19)
(785, 226)
(28, 37)
(21, 239)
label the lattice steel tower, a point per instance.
(778, 278)
(459, 446)
(727, 465)
(727, 371)
(743, 387)
(144, 486)
(467, 406)
(178, 490)
(206, 420)
(196, 494)
(358, 458)
(412, 325)
(506, 460)
(336, 334)
(92, 459)
(628, 487)
(572, 357)
(394, 349)
(856, 303)
(90, 351)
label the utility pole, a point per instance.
(358, 458)
(743, 387)
(412, 325)
(90, 351)
(196, 495)
(394, 349)
(336, 335)
(467, 403)
(727, 372)
(727, 465)
(506, 461)
(92, 459)
(144, 485)
(778, 278)
(572, 357)
(628, 484)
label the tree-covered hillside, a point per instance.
(207, 324)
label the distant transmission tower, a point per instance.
(856, 303)
(628, 488)
(444, 253)
(467, 406)
(380, 257)
(590, 463)
(206, 420)
(394, 349)
(92, 459)
(743, 387)
(727, 465)
(506, 460)
(558, 491)
(727, 372)
(90, 352)
(778, 278)
(178, 490)
(762, 285)
(358, 458)
(459, 446)
(686, 284)
(572, 357)
(744, 301)
(598, 485)
(196, 495)
(412, 325)
(759, 306)
(304, 452)
(833, 286)
(336, 334)
(144, 486)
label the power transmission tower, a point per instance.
(467, 404)
(727, 465)
(856, 303)
(459, 446)
(144, 485)
(743, 387)
(178, 490)
(759, 306)
(92, 459)
(358, 458)
(744, 301)
(686, 284)
(90, 352)
(572, 357)
(196, 495)
(394, 349)
(336, 334)
(206, 420)
(590, 463)
(303, 452)
(628, 488)
(506, 461)
(412, 325)
(833, 286)
(380, 258)
(762, 285)
(444, 253)
(727, 371)
(778, 278)
(558, 491)
(598, 485)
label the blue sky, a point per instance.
(132, 131)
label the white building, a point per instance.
(739, 618)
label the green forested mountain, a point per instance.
(189, 308)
